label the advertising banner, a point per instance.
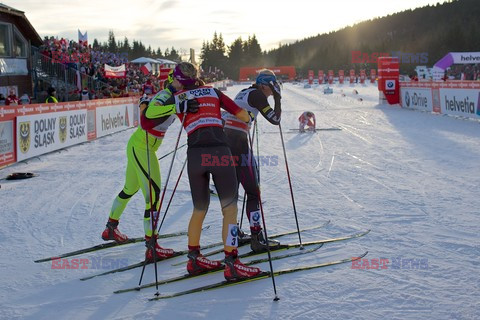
(330, 76)
(460, 102)
(7, 150)
(417, 98)
(115, 72)
(341, 76)
(41, 133)
(310, 76)
(113, 119)
(321, 77)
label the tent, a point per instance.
(144, 60)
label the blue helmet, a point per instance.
(265, 77)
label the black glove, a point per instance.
(144, 100)
(188, 106)
(275, 87)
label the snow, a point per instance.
(411, 177)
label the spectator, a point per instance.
(85, 94)
(25, 99)
(51, 96)
(12, 99)
(2, 100)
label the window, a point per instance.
(19, 44)
(5, 40)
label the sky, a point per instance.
(186, 24)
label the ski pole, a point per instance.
(258, 151)
(152, 239)
(173, 193)
(244, 191)
(263, 218)
(183, 145)
(290, 184)
(154, 225)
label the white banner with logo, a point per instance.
(417, 98)
(114, 119)
(6, 142)
(460, 102)
(115, 72)
(41, 133)
(465, 57)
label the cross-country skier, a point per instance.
(137, 175)
(307, 119)
(254, 100)
(208, 154)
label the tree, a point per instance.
(112, 45)
(235, 58)
(253, 52)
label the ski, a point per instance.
(262, 275)
(306, 131)
(188, 276)
(320, 129)
(111, 245)
(241, 242)
(246, 240)
(133, 266)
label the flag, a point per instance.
(82, 38)
(146, 69)
(115, 72)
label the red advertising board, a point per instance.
(352, 76)
(373, 75)
(310, 76)
(321, 76)
(388, 73)
(341, 76)
(330, 76)
(362, 76)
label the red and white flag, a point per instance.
(147, 68)
(115, 72)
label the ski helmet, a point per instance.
(265, 77)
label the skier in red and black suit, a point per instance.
(208, 154)
(254, 100)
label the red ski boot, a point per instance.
(198, 264)
(161, 253)
(112, 232)
(235, 270)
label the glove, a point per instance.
(275, 87)
(143, 103)
(190, 106)
(252, 116)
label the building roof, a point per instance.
(23, 24)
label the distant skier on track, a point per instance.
(307, 119)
